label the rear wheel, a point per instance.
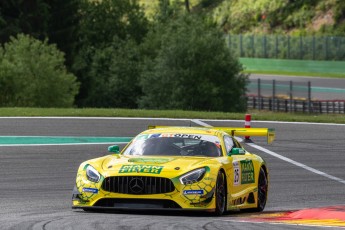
(262, 190)
(220, 194)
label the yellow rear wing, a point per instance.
(263, 132)
(236, 131)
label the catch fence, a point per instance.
(288, 47)
(288, 96)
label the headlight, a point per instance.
(193, 176)
(92, 174)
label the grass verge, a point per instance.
(97, 112)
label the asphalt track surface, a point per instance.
(321, 88)
(37, 181)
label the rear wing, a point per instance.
(236, 131)
(263, 132)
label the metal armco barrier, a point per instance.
(295, 105)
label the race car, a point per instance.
(177, 168)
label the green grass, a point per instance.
(93, 112)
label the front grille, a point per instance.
(138, 185)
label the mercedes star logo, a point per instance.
(136, 185)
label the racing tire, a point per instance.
(262, 191)
(220, 194)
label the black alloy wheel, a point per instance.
(262, 190)
(220, 194)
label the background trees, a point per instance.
(191, 69)
(32, 73)
(103, 23)
(115, 56)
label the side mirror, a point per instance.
(114, 149)
(236, 151)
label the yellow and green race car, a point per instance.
(177, 168)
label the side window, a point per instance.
(237, 144)
(229, 143)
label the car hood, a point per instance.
(153, 165)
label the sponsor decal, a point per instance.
(153, 169)
(236, 173)
(247, 172)
(90, 190)
(210, 138)
(150, 160)
(193, 192)
(155, 135)
(243, 172)
(189, 136)
(239, 201)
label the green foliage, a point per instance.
(189, 71)
(32, 74)
(23, 16)
(100, 23)
(115, 71)
(281, 16)
(63, 26)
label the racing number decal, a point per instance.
(243, 172)
(236, 173)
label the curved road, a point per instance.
(36, 181)
(321, 88)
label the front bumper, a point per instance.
(196, 196)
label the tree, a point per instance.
(63, 26)
(41, 19)
(115, 70)
(191, 68)
(32, 74)
(100, 22)
(23, 16)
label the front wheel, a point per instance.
(220, 194)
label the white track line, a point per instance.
(283, 158)
(297, 163)
(168, 119)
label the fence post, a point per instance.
(259, 92)
(309, 97)
(286, 106)
(253, 47)
(264, 46)
(326, 48)
(288, 48)
(276, 48)
(241, 46)
(300, 48)
(290, 96)
(320, 107)
(313, 46)
(273, 94)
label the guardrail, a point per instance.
(295, 105)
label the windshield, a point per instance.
(175, 145)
